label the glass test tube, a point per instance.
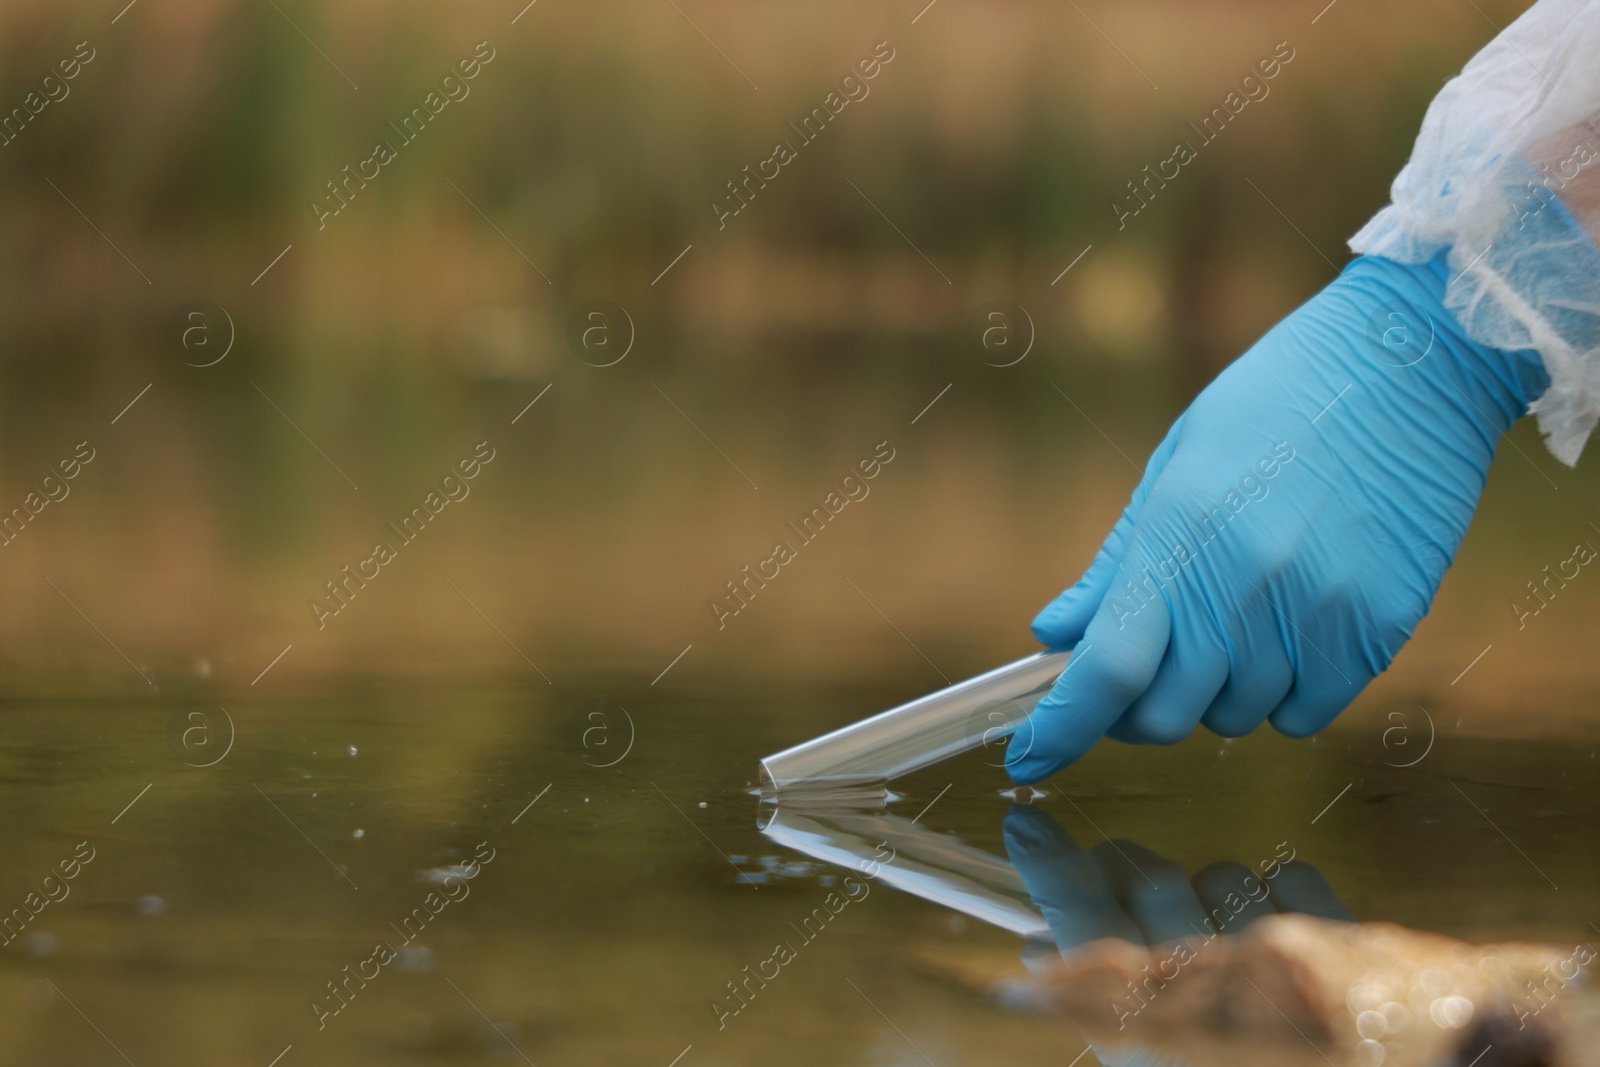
(919, 734)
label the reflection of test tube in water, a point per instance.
(913, 859)
(968, 715)
(939, 868)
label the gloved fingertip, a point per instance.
(1031, 768)
(1023, 763)
(1062, 621)
(1052, 634)
(1022, 774)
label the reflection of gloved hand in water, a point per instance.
(1290, 532)
(1121, 889)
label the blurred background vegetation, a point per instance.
(808, 330)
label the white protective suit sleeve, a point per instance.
(1505, 174)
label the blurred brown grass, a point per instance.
(795, 339)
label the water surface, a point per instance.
(610, 906)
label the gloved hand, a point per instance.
(1290, 531)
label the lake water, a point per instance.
(575, 876)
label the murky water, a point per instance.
(566, 877)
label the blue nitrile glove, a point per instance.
(1290, 531)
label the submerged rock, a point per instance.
(1295, 990)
